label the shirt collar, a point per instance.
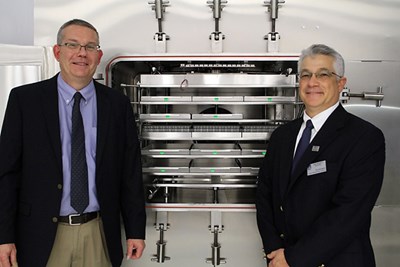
(319, 120)
(67, 92)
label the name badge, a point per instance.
(316, 167)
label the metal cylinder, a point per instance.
(159, 9)
(161, 251)
(217, 9)
(215, 254)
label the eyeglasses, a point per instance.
(77, 47)
(321, 75)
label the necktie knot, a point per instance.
(77, 97)
(309, 124)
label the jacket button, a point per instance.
(59, 186)
(282, 236)
(281, 208)
(55, 219)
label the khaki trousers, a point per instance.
(80, 246)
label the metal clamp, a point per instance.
(161, 225)
(216, 227)
(378, 96)
(216, 37)
(273, 37)
(160, 37)
(216, 259)
(273, 6)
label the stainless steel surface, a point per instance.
(163, 99)
(204, 126)
(211, 149)
(189, 188)
(201, 80)
(274, 99)
(214, 99)
(213, 117)
(165, 116)
(163, 149)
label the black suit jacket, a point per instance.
(322, 218)
(31, 171)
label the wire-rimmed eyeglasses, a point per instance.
(77, 47)
(321, 75)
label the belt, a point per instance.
(78, 219)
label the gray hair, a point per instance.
(321, 49)
(78, 22)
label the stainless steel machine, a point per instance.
(204, 124)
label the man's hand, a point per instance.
(134, 248)
(8, 255)
(277, 258)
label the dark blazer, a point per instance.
(31, 171)
(322, 218)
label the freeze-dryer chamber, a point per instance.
(204, 122)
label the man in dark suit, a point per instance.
(40, 223)
(315, 210)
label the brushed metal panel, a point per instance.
(166, 99)
(164, 116)
(217, 80)
(217, 116)
(217, 98)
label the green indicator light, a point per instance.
(264, 153)
(162, 152)
(215, 152)
(216, 98)
(166, 98)
(167, 116)
(216, 116)
(269, 99)
(162, 170)
(212, 170)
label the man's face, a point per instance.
(319, 93)
(77, 65)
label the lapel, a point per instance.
(103, 118)
(287, 151)
(49, 104)
(326, 135)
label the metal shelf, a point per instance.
(221, 80)
(206, 156)
(218, 103)
(200, 174)
(182, 207)
(202, 185)
(207, 121)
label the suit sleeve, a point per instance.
(132, 200)
(10, 164)
(349, 216)
(264, 202)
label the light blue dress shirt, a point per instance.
(89, 115)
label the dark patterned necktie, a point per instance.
(79, 172)
(303, 144)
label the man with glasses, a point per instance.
(70, 166)
(321, 176)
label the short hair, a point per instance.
(78, 22)
(321, 49)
